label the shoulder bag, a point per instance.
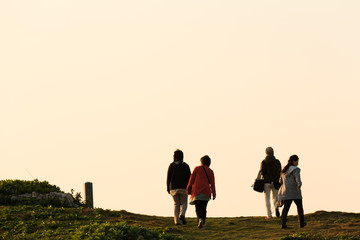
(258, 185)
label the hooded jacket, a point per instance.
(270, 169)
(290, 181)
(177, 176)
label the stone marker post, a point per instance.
(89, 198)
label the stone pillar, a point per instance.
(89, 198)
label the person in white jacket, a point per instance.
(290, 190)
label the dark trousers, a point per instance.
(300, 210)
(200, 208)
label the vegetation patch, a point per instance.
(17, 187)
(120, 230)
(20, 192)
(38, 222)
(308, 236)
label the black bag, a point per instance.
(258, 185)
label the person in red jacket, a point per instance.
(201, 186)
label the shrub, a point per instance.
(12, 193)
(16, 187)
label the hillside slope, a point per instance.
(36, 222)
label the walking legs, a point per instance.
(300, 210)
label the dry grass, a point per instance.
(321, 222)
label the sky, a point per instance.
(106, 91)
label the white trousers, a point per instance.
(269, 187)
(180, 206)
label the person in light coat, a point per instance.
(290, 190)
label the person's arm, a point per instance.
(212, 179)
(298, 178)
(168, 179)
(262, 168)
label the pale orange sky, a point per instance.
(105, 91)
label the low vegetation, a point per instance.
(21, 192)
(16, 187)
(38, 222)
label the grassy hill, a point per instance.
(37, 222)
(32, 218)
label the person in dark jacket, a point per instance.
(178, 176)
(270, 170)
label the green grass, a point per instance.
(36, 222)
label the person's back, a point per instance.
(270, 169)
(200, 183)
(177, 179)
(179, 174)
(290, 181)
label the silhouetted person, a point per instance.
(270, 169)
(201, 186)
(290, 190)
(177, 179)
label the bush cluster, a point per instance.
(10, 188)
(17, 187)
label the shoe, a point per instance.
(277, 212)
(268, 218)
(177, 223)
(284, 226)
(182, 218)
(201, 224)
(303, 225)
